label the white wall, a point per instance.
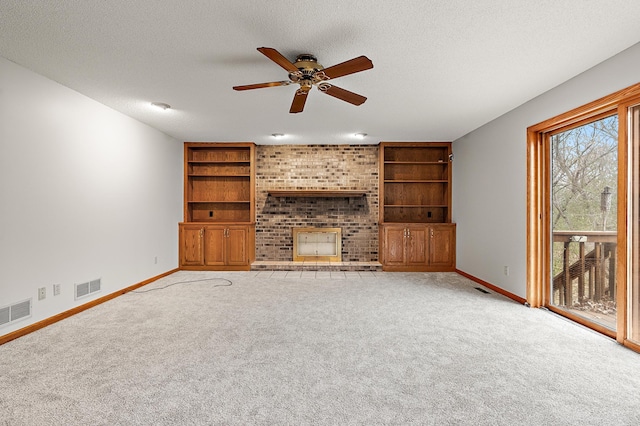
(85, 193)
(489, 173)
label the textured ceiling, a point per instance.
(441, 68)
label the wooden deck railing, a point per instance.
(593, 270)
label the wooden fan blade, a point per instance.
(299, 100)
(351, 66)
(278, 58)
(261, 85)
(345, 95)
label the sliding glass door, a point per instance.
(583, 215)
(583, 204)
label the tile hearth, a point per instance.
(263, 265)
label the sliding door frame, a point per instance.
(539, 204)
(631, 163)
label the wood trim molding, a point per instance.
(535, 205)
(624, 240)
(599, 106)
(631, 345)
(493, 287)
(66, 314)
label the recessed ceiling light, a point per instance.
(278, 135)
(161, 105)
(360, 135)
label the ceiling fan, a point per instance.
(307, 72)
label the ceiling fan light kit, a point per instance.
(161, 105)
(307, 72)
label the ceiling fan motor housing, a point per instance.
(308, 66)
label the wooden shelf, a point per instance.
(316, 193)
(416, 162)
(402, 206)
(217, 176)
(415, 181)
(218, 162)
(219, 202)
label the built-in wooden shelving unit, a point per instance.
(416, 232)
(218, 231)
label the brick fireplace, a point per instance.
(317, 167)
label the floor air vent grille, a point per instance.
(15, 312)
(88, 288)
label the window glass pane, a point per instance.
(584, 226)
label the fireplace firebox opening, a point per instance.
(317, 244)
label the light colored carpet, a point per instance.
(387, 348)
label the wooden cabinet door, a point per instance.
(214, 245)
(237, 245)
(442, 245)
(394, 245)
(416, 249)
(191, 246)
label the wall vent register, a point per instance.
(15, 312)
(88, 288)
